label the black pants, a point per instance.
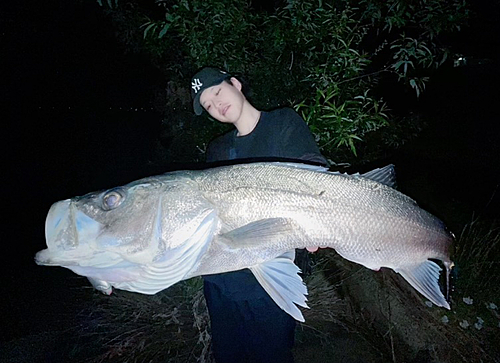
(247, 325)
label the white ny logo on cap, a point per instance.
(196, 85)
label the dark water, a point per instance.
(62, 139)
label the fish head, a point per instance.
(137, 223)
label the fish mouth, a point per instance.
(57, 223)
(66, 230)
(42, 259)
(49, 258)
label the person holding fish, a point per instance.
(239, 226)
(247, 325)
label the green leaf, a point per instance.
(164, 30)
(147, 29)
(353, 148)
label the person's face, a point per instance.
(224, 102)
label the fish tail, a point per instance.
(424, 278)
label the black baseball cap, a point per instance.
(203, 79)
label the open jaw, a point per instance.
(68, 232)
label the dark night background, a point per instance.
(76, 116)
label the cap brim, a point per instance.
(198, 108)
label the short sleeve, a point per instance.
(296, 139)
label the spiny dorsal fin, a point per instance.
(385, 175)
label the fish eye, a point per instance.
(112, 199)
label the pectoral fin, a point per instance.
(279, 278)
(424, 278)
(263, 232)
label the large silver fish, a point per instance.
(154, 232)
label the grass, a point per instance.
(478, 260)
(476, 295)
(171, 326)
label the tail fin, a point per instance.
(424, 278)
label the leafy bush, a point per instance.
(324, 57)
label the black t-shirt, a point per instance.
(279, 135)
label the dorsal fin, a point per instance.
(385, 175)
